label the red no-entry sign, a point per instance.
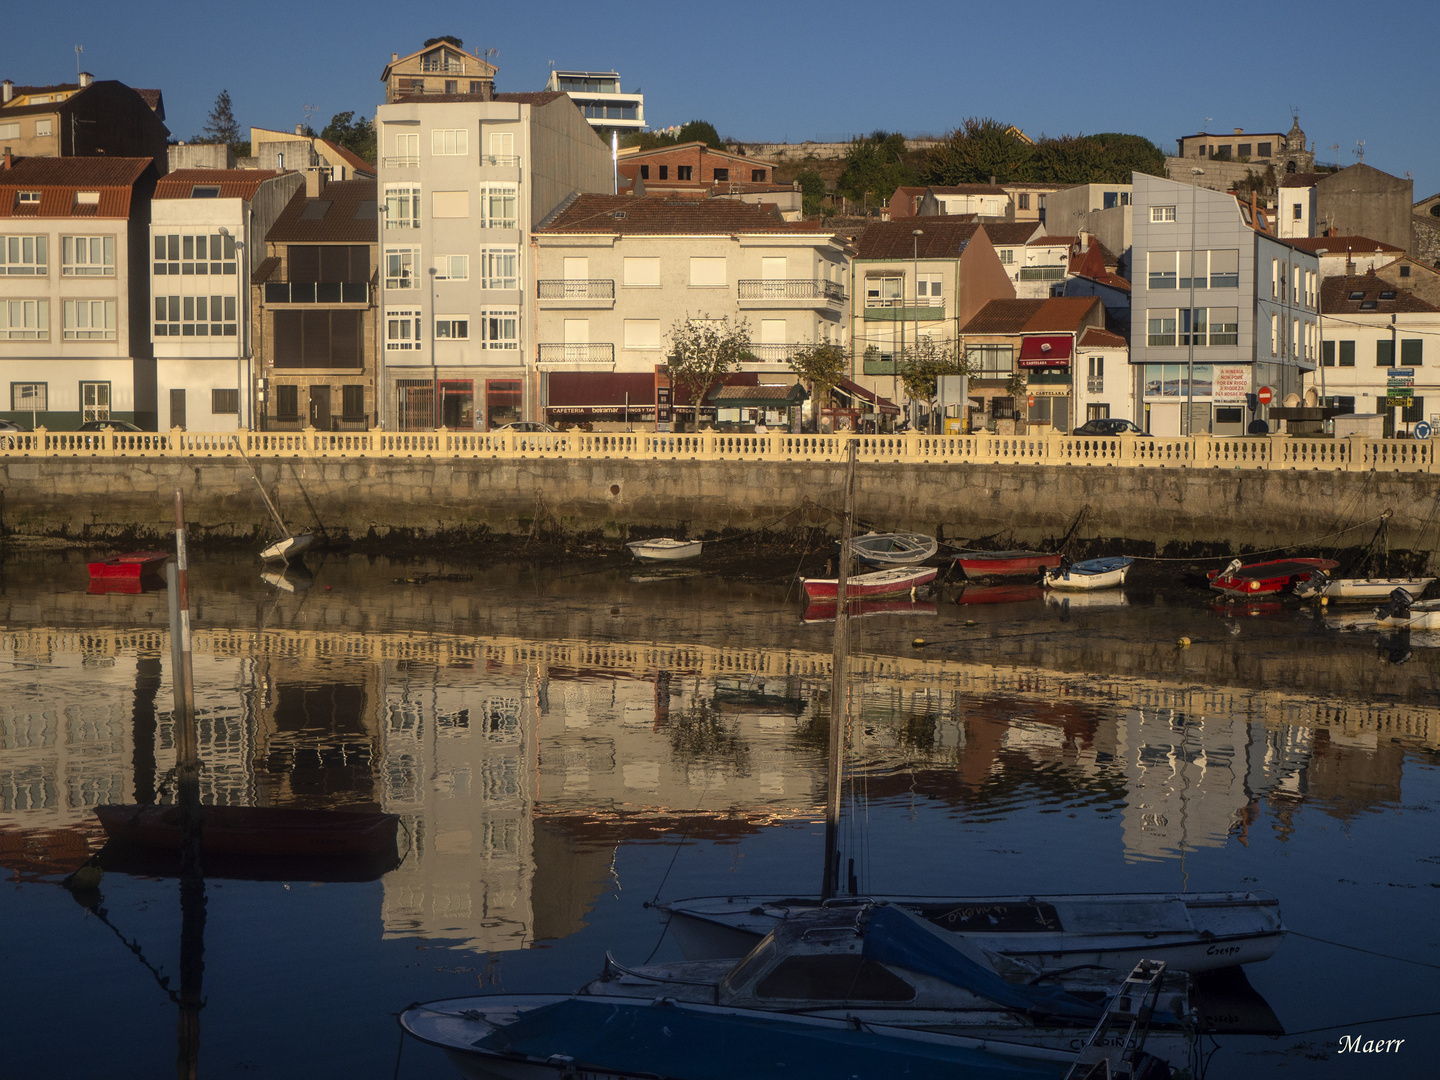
(1264, 395)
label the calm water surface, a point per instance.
(564, 744)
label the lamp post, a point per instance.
(915, 258)
(434, 370)
(242, 367)
(1186, 427)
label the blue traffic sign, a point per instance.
(1422, 430)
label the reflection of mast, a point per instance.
(147, 686)
(662, 699)
(187, 777)
(839, 714)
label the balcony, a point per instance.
(446, 67)
(772, 353)
(577, 356)
(317, 292)
(1042, 273)
(893, 309)
(1095, 384)
(401, 162)
(577, 293)
(790, 293)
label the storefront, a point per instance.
(853, 408)
(1045, 360)
(1217, 397)
(757, 408)
(623, 401)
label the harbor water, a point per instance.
(566, 742)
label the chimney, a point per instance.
(8, 160)
(314, 183)
(1239, 131)
(394, 56)
(86, 78)
(299, 129)
(7, 92)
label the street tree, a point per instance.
(702, 352)
(820, 367)
(923, 366)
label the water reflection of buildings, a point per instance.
(517, 765)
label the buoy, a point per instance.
(971, 622)
(1184, 643)
(327, 588)
(919, 643)
(1324, 601)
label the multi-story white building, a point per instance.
(74, 329)
(600, 99)
(464, 178)
(207, 234)
(1221, 308)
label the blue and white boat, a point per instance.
(1106, 573)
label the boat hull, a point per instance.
(1091, 574)
(288, 548)
(1424, 615)
(1192, 932)
(1360, 590)
(129, 567)
(893, 582)
(1267, 578)
(893, 549)
(665, 550)
(255, 830)
(1005, 563)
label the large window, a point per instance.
(94, 401)
(642, 333)
(27, 320)
(407, 150)
(89, 320)
(1168, 381)
(1412, 352)
(182, 254)
(31, 397)
(87, 256)
(1211, 269)
(642, 272)
(450, 142)
(707, 272)
(991, 361)
(24, 256)
(1175, 326)
(194, 316)
(501, 329)
(452, 328)
(402, 207)
(499, 268)
(318, 339)
(1384, 353)
(402, 329)
(452, 267)
(1162, 269)
(400, 268)
(884, 291)
(1160, 327)
(498, 206)
(1162, 213)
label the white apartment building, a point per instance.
(600, 99)
(207, 233)
(464, 178)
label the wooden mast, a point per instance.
(839, 712)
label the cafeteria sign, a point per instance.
(1232, 383)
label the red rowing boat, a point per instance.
(1005, 563)
(896, 581)
(1266, 578)
(255, 830)
(131, 566)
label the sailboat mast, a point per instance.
(839, 713)
(274, 513)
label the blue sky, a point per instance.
(768, 71)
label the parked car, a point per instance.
(1110, 425)
(530, 426)
(10, 426)
(108, 425)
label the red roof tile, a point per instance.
(1297, 180)
(58, 179)
(234, 183)
(1063, 313)
(666, 215)
(354, 160)
(940, 237)
(349, 218)
(1096, 338)
(1336, 294)
(1338, 245)
(968, 189)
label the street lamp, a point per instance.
(1320, 253)
(434, 370)
(915, 258)
(1186, 428)
(242, 367)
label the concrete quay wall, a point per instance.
(453, 498)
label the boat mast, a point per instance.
(274, 513)
(839, 713)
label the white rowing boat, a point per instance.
(665, 549)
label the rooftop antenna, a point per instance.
(1206, 129)
(309, 111)
(78, 50)
(1360, 151)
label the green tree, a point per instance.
(812, 192)
(875, 165)
(821, 366)
(451, 38)
(702, 351)
(357, 136)
(977, 150)
(922, 367)
(221, 125)
(700, 131)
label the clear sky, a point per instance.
(791, 72)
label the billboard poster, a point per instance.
(1232, 383)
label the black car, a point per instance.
(108, 425)
(1110, 425)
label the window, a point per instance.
(31, 397)
(287, 403)
(1384, 353)
(402, 207)
(87, 256)
(1242, 150)
(722, 175)
(1274, 335)
(757, 176)
(452, 86)
(27, 320)
(194, 316)
(318, 339)
(10, 131)
(927, 289)
(1297, 211)
(1162, 269)
(1162, 213)
(498, 206)
(706, 272)
(1347, 353)
(884, 291)
(502, 148)
(1109, 200)
(1412, 352)
(477, 87)
(664, 172)
(205, 191)
(187, 255)
(27, 198)
(991, 361)
(684, 172)
(451, 329)
(407, 150)
(641, 272)
(644, 172)
(1023, 202)
(1414, 412)
(1224, 325)
(352, 400)
(1007, 255)
(44, 127)
(501, 329)
(225, 401)
(450, 141)
(1224, 269)
(450, 204)
(642, 333)
(89, 320)
(1168, 380)
(1404, 270)
(24, 256)
(400, 268)
(1262, 150)
(1160, 328)
(94, 401)
(452, 267)
(402, 330)
(1327, 354)
(499, 268)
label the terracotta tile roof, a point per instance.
(665, 215)
(533, 97)
(155, 99)
(354, 160)
(263, 269)
(349, 218)
(1096, 338)
(22, 91)
(1003, 317)
(1336, 294)
(1338, 245)
(1300, 179)
(1061, 313)
(537, 97)
(1010, 233)
(968, 189)
(234, 183)
(58, 179)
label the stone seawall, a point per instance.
(439, 498)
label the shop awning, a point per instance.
(1050, 350)
(877, 403)
(578, 392)
(757, 397)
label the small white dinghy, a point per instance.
(1404, 612)
(893, 549)
(665, 549)
(1357, 590)
(1106, 573)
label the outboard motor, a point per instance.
(1311, 585)
(1397, 608)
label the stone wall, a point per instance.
(452, 499)
(817, 151)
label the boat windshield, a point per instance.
(756, 961)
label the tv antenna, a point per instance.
(1206, 129)
(309, 111)
(78, 50)
(1360, 151)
